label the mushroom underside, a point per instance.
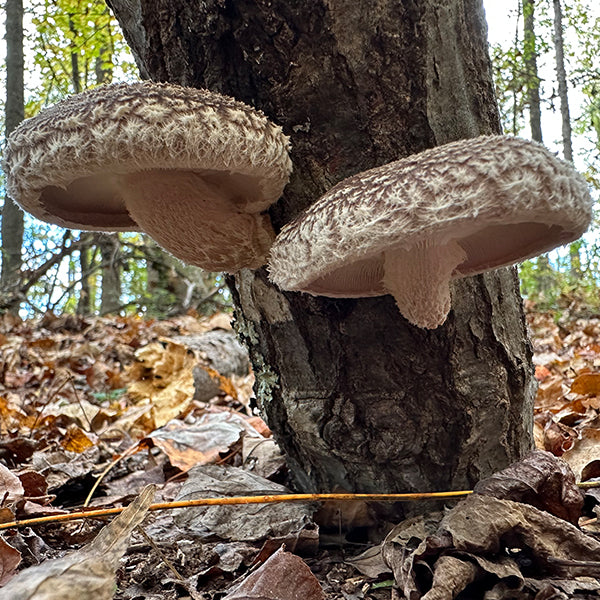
(482, 250)
(211, 219)
(202, 218)
(92, 203)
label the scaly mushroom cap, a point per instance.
(409, 227)
(192, 168)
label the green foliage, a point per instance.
(571, 278)
(570, 275)
(77, 44)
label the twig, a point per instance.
(410, 497)
(160, 553)
(81, 405)
(50, 397)
(129, 452)
(565, 562)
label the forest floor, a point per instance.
(95, 410)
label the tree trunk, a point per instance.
(110, 249)
(563, 95)
(561, 76)
(358, 398)
(532, 80)
(75, 76)
(85, 302)
(12, 216)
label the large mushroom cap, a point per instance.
(410, 226)
(192, 168)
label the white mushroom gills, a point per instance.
(419, 279)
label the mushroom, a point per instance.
(192, 168)
(409, 227)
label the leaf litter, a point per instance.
(126, 403)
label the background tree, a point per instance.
(358, 398)
(77, 44)
(563, 38)
(12, 216)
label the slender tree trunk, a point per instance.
(109, 244)
(12, 217)
(75, 75)
(85, 301)
(561, 76)
(531, 70)
(110, 249)
(563, 95)
(532, 82)
(357, 397)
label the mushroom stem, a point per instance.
(199, 217)
(419, 280)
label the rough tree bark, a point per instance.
(357, 397)
(12, 216)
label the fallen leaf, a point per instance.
(485, 530)
(11, 488)
(540, 479)
(9, 561)
(370, 562)
(190, 445)
(283, 576)
(250, 522)
(542, 372)
(588, 383)
(585, 451)
(76, 440)
(86, 573)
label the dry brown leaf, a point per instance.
(86, 573)
(484, 529)
(9, 561)
(11, 488)
(262, 456)
(34, 484)
(450, 574)
(542, 372)
(283, 576)
(550, 392)
(244, 522)
(12, 416)
(163, 375)
(585, 451)
(587, 384)
(189, 445)
(76, 440)
(6, 515)
(370, 562)
(556, 437)
(540, 479)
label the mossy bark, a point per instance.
(358, 398)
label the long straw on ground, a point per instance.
(408, 497)
(88, 514)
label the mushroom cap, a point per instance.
(67, 164)
(502, 199)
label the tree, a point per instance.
(561, 76)
(357, 397)
(532, 78)
(565, 113)
(12, 217)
